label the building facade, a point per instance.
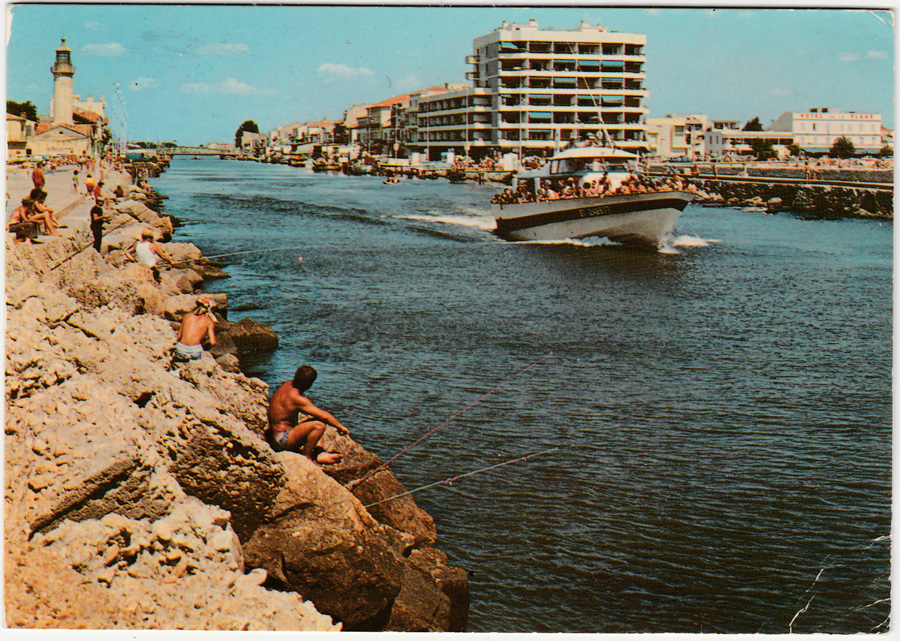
(547, 86)
(677, 136)
(459, 119)
(815, 130)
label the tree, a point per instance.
(886, 151)
(842, 148)
(753, 125)
(24, 109)
(247, 125)
(795, 150)
(762, 148)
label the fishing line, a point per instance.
(371, 472)
(450, 480)
(252, 251)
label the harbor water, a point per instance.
(721, 412)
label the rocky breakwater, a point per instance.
(814, 198)
(140, 493)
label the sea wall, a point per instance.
(812, 199)
(140, 493)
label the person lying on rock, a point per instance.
(194, 326)
(296, 424)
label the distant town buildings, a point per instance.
(530, 90)
(533, 89)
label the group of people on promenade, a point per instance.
(33, 217)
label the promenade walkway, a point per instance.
(72, 210)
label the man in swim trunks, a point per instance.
(194, 326)
(296, 424)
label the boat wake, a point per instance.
(670, 246)
(485, 223)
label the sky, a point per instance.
(192, 74)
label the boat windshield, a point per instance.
(581, 165)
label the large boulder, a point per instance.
(420, 606)
(250, 336)
(378, 484)
(320, 542)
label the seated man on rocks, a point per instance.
(147, 252)
(296, 424)
(194, 326)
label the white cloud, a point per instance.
(779, 91)
(222, 49)
(111, 49)
(409, 82)
(878, 55)
(848, 57)
(95, 26)
(140, 84)
(227, 86)
(340, 71)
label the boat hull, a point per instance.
(635, 219)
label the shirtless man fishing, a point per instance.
(296, 424)
(194, 326)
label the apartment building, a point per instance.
(677, 136)
(459, 119)
(816, 130)
(547, 85)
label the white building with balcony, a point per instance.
(816, 130)
(459, 120)
(677, 136)
(548, 85)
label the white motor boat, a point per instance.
(636, 219)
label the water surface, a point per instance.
(722, 414)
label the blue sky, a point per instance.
(194, 73)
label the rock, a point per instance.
(250, 336)
(452, 581)
(420, 606)
(319, 541)
(229, 363)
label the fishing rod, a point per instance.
(449, 481)
(91, 244)
(373, 471)
(252, 251)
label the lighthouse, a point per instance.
(63, 95)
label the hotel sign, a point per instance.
(827, 116)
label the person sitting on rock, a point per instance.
(21, 222)
(296, 424)
(43, 213)
(147, 252)
(194, 327)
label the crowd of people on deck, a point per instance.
(558, 188)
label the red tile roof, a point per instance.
(82, 129)
(90, 116)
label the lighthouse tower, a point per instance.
(63, 95)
